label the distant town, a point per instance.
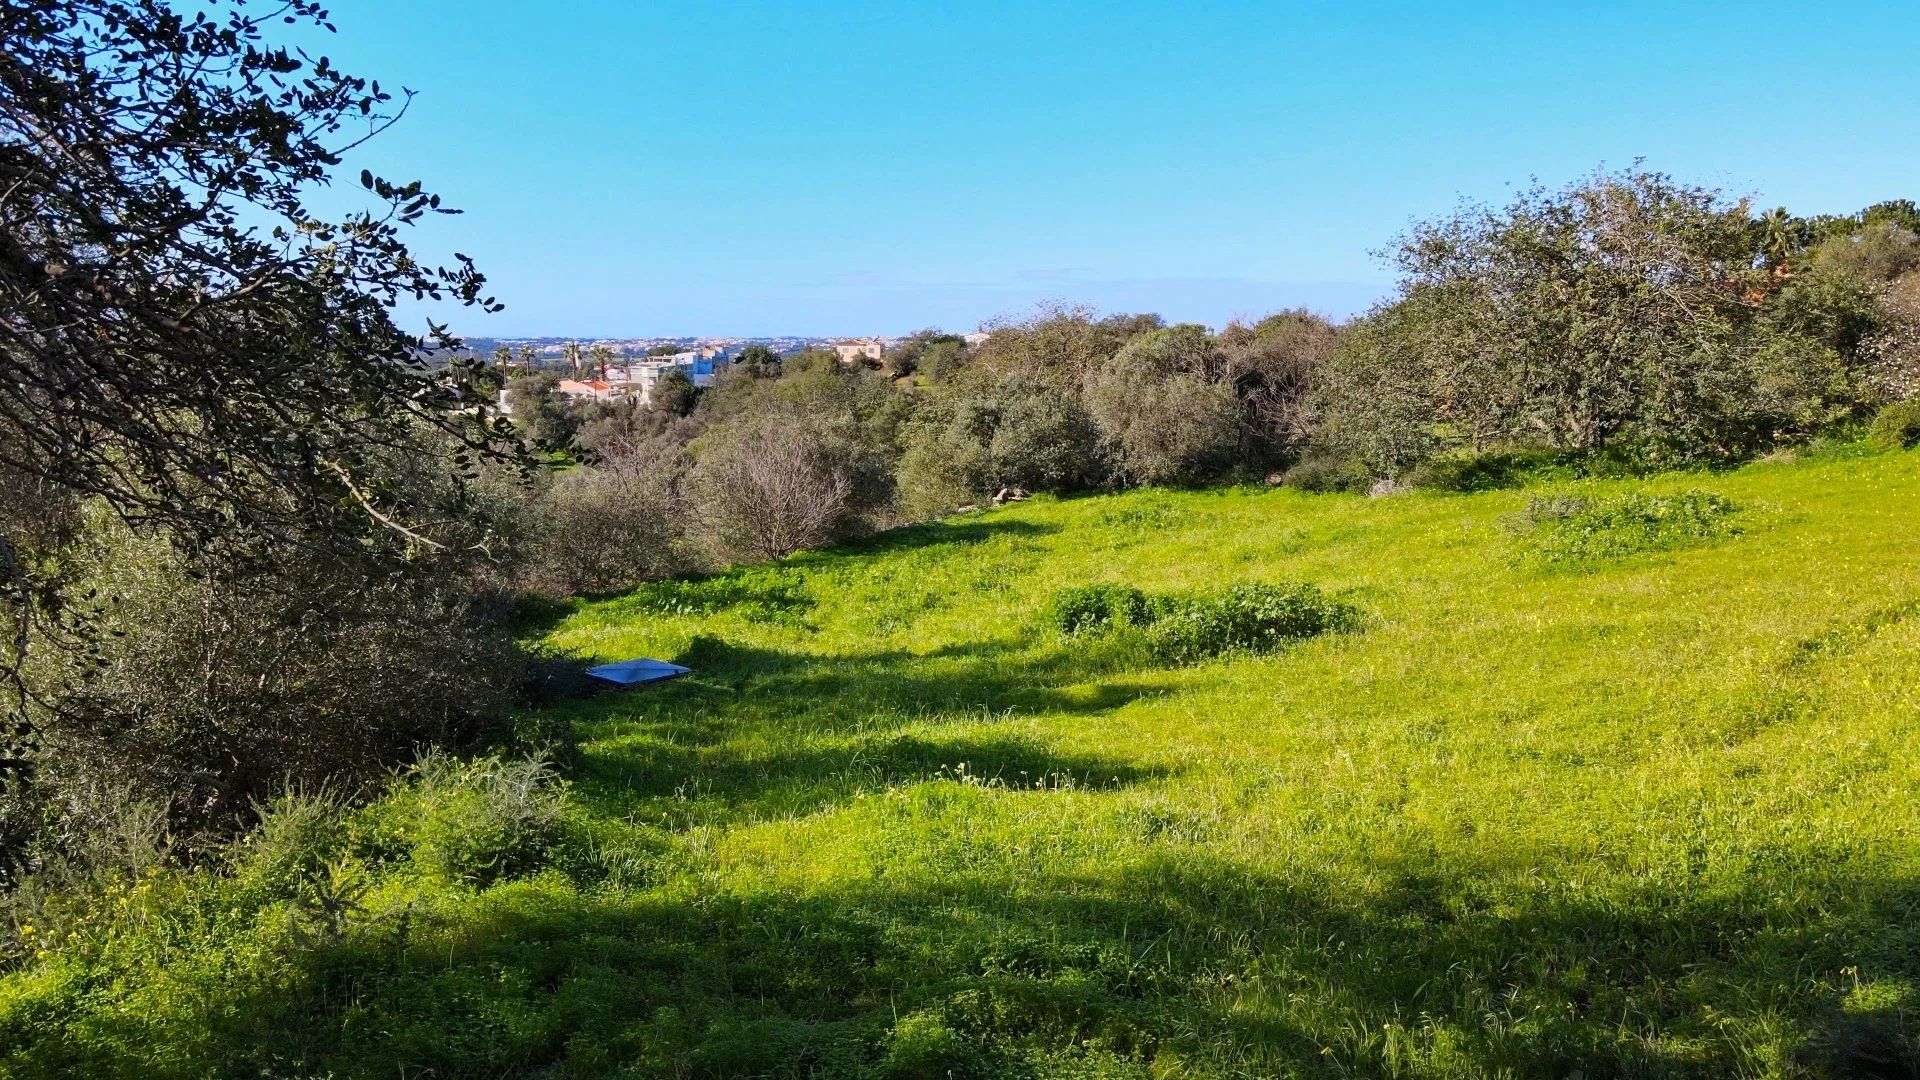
(614, 369)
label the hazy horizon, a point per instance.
(683, 168)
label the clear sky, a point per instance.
(639, 168)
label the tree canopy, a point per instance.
(182, 339)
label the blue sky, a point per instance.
(747, 168)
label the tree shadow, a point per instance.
(682, 784)
(763, 589)
(760, 732)
(1177, 961)
(928, 534)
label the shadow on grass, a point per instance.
(934, 533)
(1173, 960)
(761, 732)
(763, 590)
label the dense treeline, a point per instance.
(1626, 322)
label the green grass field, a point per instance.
(1641, 813)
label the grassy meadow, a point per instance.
(1646, 809)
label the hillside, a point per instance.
(1646, 813)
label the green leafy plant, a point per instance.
(297, 834)
(1104, 606)
(1245, 618)
(1897, 426)
(1182, 628)
(476, 821)
(1578, 529)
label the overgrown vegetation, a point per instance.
(1628, 821)
(1623, 324)
(276, 801)
(1188, 628)
(1574, 528)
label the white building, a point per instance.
(855, 349)
(640, 376)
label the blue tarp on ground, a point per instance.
(635, 672)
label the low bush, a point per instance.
(1246, 618)
(473, 821)
(785, 484)
(1321, 473)
(1183, 629)
(1574, 529)
(1090, 608)
(607, 529)
(1897, 426)
(296, 836)
(207, 690)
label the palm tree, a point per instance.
(1780, 237)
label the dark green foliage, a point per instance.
(1625, 311)
(1016, 433)
(674, 394)
(1253, 618)
(756, 361)
(1165, 410)
(1579, 529)
(1464, 471)
(1091, 608)
(190, 347)
(1185, 629)
(1325, 472)
(543, 416)
(1273, 365)
(211, 688)
(1060, 346)
(1897, 425)
(927, 352)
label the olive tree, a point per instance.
(1273, 364)
(183, 342)
(1624, 309)
(781, 485)
(1164, 407)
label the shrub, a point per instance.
(209, 688)
(1042, 440)
(610, 528)
(475, 821)
(1246, 618)
(1273, 364)
(296, 836)
(1323, 473)
(1018, 432)
(939, 474)
(1163, 409)
(782, 485)
(1104, 606)
(1897, 425)
(1572, 528)
(1183, 629)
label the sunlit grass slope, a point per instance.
(1652, 814)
